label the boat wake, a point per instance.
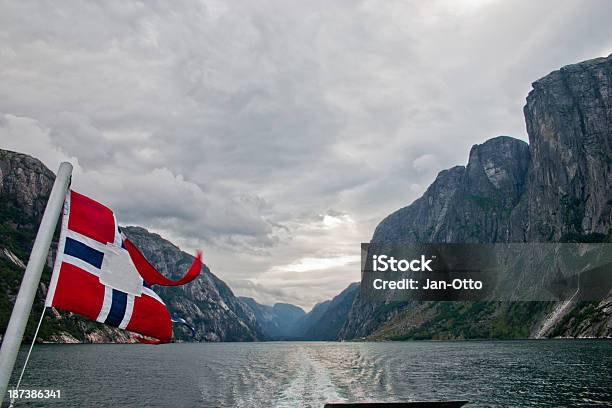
(311, 381)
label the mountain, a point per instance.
(569, 123)
(287, 322)
(278, 322)
(325, 320)
(311, 318)
(207, 303)
(480, 202)
(557, 188)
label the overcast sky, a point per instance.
(275, 135)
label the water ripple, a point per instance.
(301, 374)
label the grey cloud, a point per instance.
(237, 126)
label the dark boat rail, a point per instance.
(410, 404)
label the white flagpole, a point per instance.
(31, 277)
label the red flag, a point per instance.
(101, 275)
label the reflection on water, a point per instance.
(517, 373)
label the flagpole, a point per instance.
(31, 278)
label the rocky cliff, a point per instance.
(207, 303)
(569, 122)
(557, 188)
(474, 203)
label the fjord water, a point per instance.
(547, 373)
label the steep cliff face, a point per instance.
(476, 203)
(24, 184)
(569, 122)
(207, 303)
(277, 322)
(557, 188)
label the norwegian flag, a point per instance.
(101, 275)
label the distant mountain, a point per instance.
(207, 303)
(326, 319)
(311, 318)
(556, 189)
(278, 322)
(287, 322)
